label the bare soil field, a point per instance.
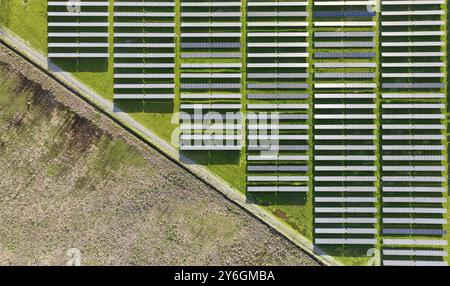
(71, 178)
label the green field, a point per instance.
(28, 20)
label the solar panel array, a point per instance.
(345, 211)
(144, 50)
(78, 29)
(211, 63)
(378, 164)
(277, 94)
(414, 212)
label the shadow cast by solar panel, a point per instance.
(277, 198)
(78, 64)
(159, 106)
(343, 250)
(129, 105)
(208, 158)
(146, 106)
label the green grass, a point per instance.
(28, 19)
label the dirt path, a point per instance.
(71, 178)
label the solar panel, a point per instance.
(413, 64)
(413, 44)
(412, 179)
(345, 147)
(345, 24)
(210, 85)
(210, 14)
(344, 75)
(330, 14)
(415, 252)
(278, 14)
(78, 55)
(80, 3)
(345, 199)
(358, 210)
(211, 45)
(412, 2)
(277, 178)
(210, 55)
(414, 85)
(210, 96)
(211, 4)
(144, 14)
(77, 24)
(414, 168)
(345, 189)
(345, 231)
(210, 65)
(410, 262)
(81, 35)
(78, 45)
(413, 33)
(414, 242)
(356, 220)
(144, 25)
(278, 24)
(278, 106)
(345, 168)
(271, 4)
(277, 96)
(144, 35)
(412, 95)
(78, 14)
(210, 106)
(281, 168)
(413, 189)
(359, 44)
(144, 45)
(413, 231)
(277, 86)
(413, 147)
(210, 24)
(353, 241)
(282, 116)
(320, 55)
(344, 3)
(277, 75)
(412, 23)
(277, 158)
(399, 210)
(210, 35)
(281, 148)
(210, 147)
(412, 54)
(276, 189)
(344, 34)
(344, 95)
(277, 34)
(143, 96)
